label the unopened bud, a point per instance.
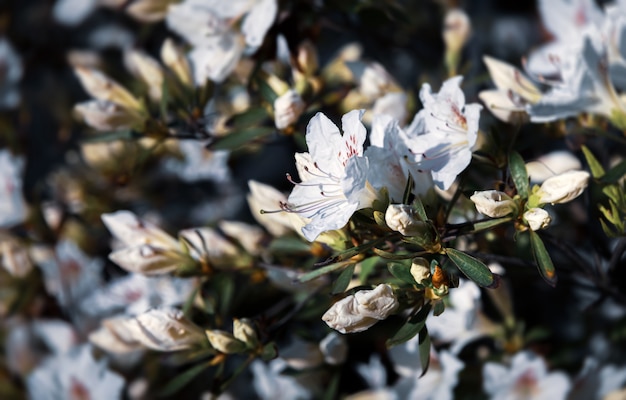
(420, 270)
(149, 10)
(563, 188)
(457, 29)
(403, 218)
(537, 218)
(224, 342)
(176, 60)
(493, 203)
(243, 330)
(107, 116)
(101, 87)
(307, 58)
(147, 69)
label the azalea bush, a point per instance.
(312, 199)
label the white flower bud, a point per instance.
(402, 218)
(564, 187)
(149, 10)
(243, 330)
(147, 69)
(420, 270)
(375, 81)
(101, 87)
(164, 329)
(307, 58)
(128, 228)
(457, 29)
(287, 109)
(493, 203)
(148, 260)
(107, 116)
(360, 311)
(334, 348)
(224, 342)
(551, 164)
(176, 60)
(537, 218)
(14, 257)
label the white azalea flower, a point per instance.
(199, 164)
(287, 109)
(565, 20)
(209, 26)
(73, 12)
(525, 377)
(551, 164)
(334, 175)
(444, 133)
(563, 188)
(270, 384)
(107, 116)
(388, 150)
(493, 203)
(537, 218)
(334, 347)
(12, 206)
(74, 375)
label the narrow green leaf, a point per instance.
(270, 351)
(367, 267)
(542, 258)
(397, 256)
(482, 225)
(236, 139)
(309, 276)
(343, 280)
(402, 272)
(424, 349)
(616, 173)
(266, 91)
(407, 190)
(165, 98)
(289, 245)
(183, 379)
(439, 308)
(471, 267)
(418, 206)
(411, 328)
(333, 386)
(594, 165)
(251, 117)
(517, 167)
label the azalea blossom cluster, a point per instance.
(208, 199)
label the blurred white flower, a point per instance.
(14, 256)
(73, 12)
(147, 69)
(334, 347)
(11, 71)
(551, 164)
(358, 312)
(210, 26)
(287, 109)
(148, 10)
(301, 354)
(493, 203)
(176, 60)
(564, 187)
(457, 30)
(263, 200)
(334, 175)
(12, 204)
(270, 384)
(537, 218)
(598, 381)
(443, 134)
(525, 377)
(198, 163)
(108, 116)
(74, 375)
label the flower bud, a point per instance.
(176, 60)
(14, 257)
(564, 187)
(149, 10)
(147, 69)
(101, 87)
(493, 203)
(402, 218)
(375, 81)
(224, 342)
(457, 29)
(128, 228)
(361, 310)
(537, 218)
(243, 330)
(107, 116)
(164, 329)
(420, 270)
(287, 109)
(149, 260)
(307, 58)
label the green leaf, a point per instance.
(471, 267)
(482, 225)
(594, 165)
(236, 139)
(251, 117)
(183, 379)
(542, 258)
(418, 206)
(333, 386)
(519, 174)
(402, 272)
(309, 276)
(615, 174)
(289, 245)
(367, 267)
(266, 91)
(397, 256)
(343, 280)
(270, 351)
(424, 349)
(410, 328)
(407, 190)
(439, 308)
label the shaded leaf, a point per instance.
(367, 267)
(289, 244)
(542, 258)
(616, 173)
(424, 349)
(183, 379)
(309, 276)
(418, 206)
(251, 117)
(471, 267)
(343, 280)
(270, 352)
(236, 139)
(439, 308)
(402, 272)
(411, 328)
(594, 165)
(517, 167)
